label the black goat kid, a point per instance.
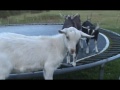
(89, 28)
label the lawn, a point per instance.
(108, 19)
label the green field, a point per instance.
(108, 19)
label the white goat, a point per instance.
(20, 53)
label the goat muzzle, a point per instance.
(72, 51)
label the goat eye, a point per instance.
(67, 37)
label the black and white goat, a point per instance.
(89, 28)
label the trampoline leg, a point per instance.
(102, 71)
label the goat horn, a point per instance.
(62, 15)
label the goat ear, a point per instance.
(62, 31)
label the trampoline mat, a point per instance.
(35, 30)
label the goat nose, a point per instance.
(72, 51)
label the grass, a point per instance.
(108, 19)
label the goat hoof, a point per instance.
(73, 63)
(68, 62)
(87, 52)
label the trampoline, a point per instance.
(108, 46)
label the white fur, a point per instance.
(96, 48)
(82, 34)
(87, 49)
(20, 53)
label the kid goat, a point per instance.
(89, 28)
(20, 53)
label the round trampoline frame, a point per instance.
(95, 60)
